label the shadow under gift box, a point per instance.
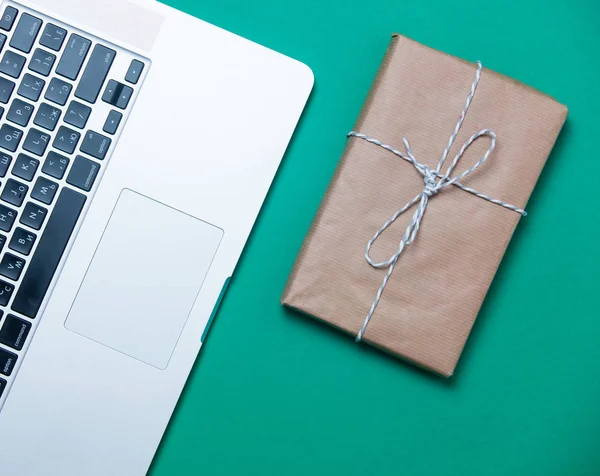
(439, 283)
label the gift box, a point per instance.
(433, 181)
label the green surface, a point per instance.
(274, 393)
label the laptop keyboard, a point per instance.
(64, 98)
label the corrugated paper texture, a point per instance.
(440, 281)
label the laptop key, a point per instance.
(8, 18)
(55, 165)
(6, 89)
(11, 267)
(12, 64)
(2, 41)
(7, 362)
(78, 114)
(10, 137)
(25, 167)
(95, 144)
(5, 161)
(41, 62)
(44, 190)
(14, 332)
(26, 32)
(53, 37)
(48, 253)
(36, 142)
(22, 242)
(47, 116)
(14, 193)
(20, 112)
(95, 73)
(73, 57)
(6, 291)
(83, 173)
(66, 139)
(134, 72)
(2, 241)
(58, 91)
(112, 122)
(33, 215)
(7, 218)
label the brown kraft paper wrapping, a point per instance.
(440, 281)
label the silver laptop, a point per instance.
(137, 145)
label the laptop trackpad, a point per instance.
(144, 278)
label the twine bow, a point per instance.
(434, 182)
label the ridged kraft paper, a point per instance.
(437, 288)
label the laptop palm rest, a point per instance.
(136, 296)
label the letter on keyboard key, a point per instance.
(5, 161)
(31, 87)
(25, 167)
(53, 37)
(14, 192)
(6, 290)
(48, 253)
(26, 32)
(95, 73)
(7, 218)
(10, 137)
(14, 332)
(66, 139)
(7, 361)
(22, 241)
(36, 142)
(55, 165)
(95, 145)
(33, 216)
(11, 266)
(73, 57)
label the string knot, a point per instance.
(435, 181)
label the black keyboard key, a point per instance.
(47, 116)
(14, 193)
(25, 167)
(2, 41)
(26, 32)
(36, 142)
(55, 165)
(6, 89)
(10, 137)
(11, 266)
(95, 73)
(134, 72)
(44, 190)
(7, 362)
(112, 122)
(6, 291)
(8, 18)
(66, 139)
(73, 57)
(53, 37)
(22, 242)
(117, 94)
(78, 114)
(7, 218)
(95, 144)
(41, 62)
(83, 173)
(48, 253)
(14, 332)
(5, 161)
(20, 112)
(2, 386)
(33, 215)
(12, 64)
(31, 87)
(58, 91)
(2, 241)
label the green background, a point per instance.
(275, 393)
